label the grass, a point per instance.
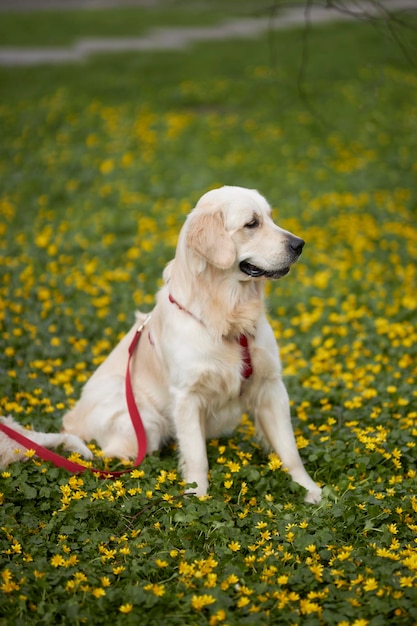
(100, 163)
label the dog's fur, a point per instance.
(187, 368)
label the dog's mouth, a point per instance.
(255, 272)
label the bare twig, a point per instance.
(373, 12)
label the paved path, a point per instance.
(179, 38)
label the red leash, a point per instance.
(60, 461)
(76, 468)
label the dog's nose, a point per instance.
(296, 244)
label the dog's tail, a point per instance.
(11, 451)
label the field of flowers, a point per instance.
(99, 164)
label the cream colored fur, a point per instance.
(186, 371)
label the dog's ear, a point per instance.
(208, 237)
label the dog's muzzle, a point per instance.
(295, 247)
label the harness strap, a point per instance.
(181, 308)
(247, 367)
(76, 468)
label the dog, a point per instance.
(192, 374)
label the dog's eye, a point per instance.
(253, 223)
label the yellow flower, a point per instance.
(317, 569)
(345, 553)
(370, 584)
(233, 466)
(307, 607)
(126, 608)
(158, 590)
(234, 546)
(220, 616)
(6, 575)
(9, 586)
(71, 585)
(261, 525)
(265, 535)
(199, 602)
(411, 562)
(211, 580)
(16, 547)
(301, 441)
(72, 560)
(136, 473)
(274, 462)
(106, 166)
(232, 579)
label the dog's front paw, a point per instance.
(313, 495)
(197, 486)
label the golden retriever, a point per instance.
(191, 377)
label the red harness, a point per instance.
(77, 468)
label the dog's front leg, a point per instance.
(190, 431)
(272, 414)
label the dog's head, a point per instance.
(231, 228)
